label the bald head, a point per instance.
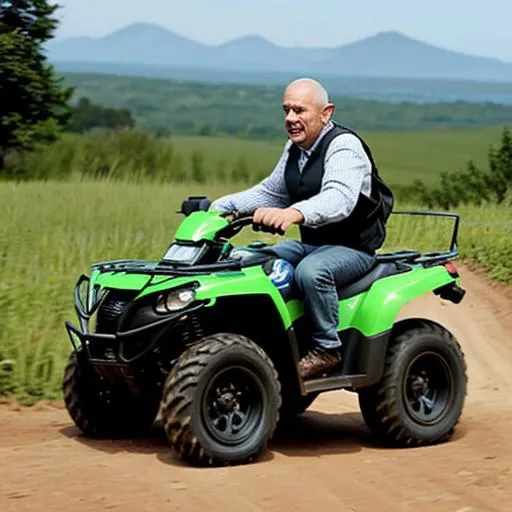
(308, 111)
(310, 88)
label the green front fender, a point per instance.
(249, 281)
(119, 280)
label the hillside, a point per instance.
(386, 54)
(165, 106)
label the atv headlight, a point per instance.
(175, 300)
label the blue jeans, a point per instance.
(319, 271)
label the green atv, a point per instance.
(205, 339)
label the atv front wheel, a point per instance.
(421, 396)
(221, 401)
(98, 409)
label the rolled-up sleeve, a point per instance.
(347, 174)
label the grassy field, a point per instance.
(401, 156)
(51, 232)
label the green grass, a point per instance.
(406, 156)
(51, 232)
(401, 156)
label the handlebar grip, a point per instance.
(267, 229)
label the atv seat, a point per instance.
(386, 264)
(380, 270)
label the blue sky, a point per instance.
(481, 29)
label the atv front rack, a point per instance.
(157, 268)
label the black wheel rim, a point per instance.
(233, 405)
(428, 388)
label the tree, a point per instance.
(87, 116)
(34, 106)
(499, 178)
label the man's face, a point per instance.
(305, 118)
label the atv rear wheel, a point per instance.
(100, 410)
(421, 396)
(221, 401)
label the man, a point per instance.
(325, 182)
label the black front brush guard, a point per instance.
(118, 339)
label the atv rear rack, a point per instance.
(427, 258)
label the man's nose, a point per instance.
(291, 116)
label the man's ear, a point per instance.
(328, 112)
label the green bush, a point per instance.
(474, 186)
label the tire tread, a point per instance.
(179, 392)
(379, 403)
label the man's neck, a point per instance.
(312, 147)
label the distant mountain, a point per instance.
(395, 55)
(139, 43)
(386, 54)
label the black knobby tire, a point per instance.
(100, 410)
(420, 399)
(221, 401)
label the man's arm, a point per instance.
(347, 173)
(269, 193)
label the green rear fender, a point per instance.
(376, 310)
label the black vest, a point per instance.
(365, 227)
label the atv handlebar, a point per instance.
(238, 223)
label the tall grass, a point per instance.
(130, 155)
(52, 231)
(134, 156)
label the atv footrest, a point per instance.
(334, 382)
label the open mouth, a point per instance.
(295, 131)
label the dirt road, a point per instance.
(327, 463)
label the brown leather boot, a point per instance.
(317, 361)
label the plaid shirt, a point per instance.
(347, 174)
